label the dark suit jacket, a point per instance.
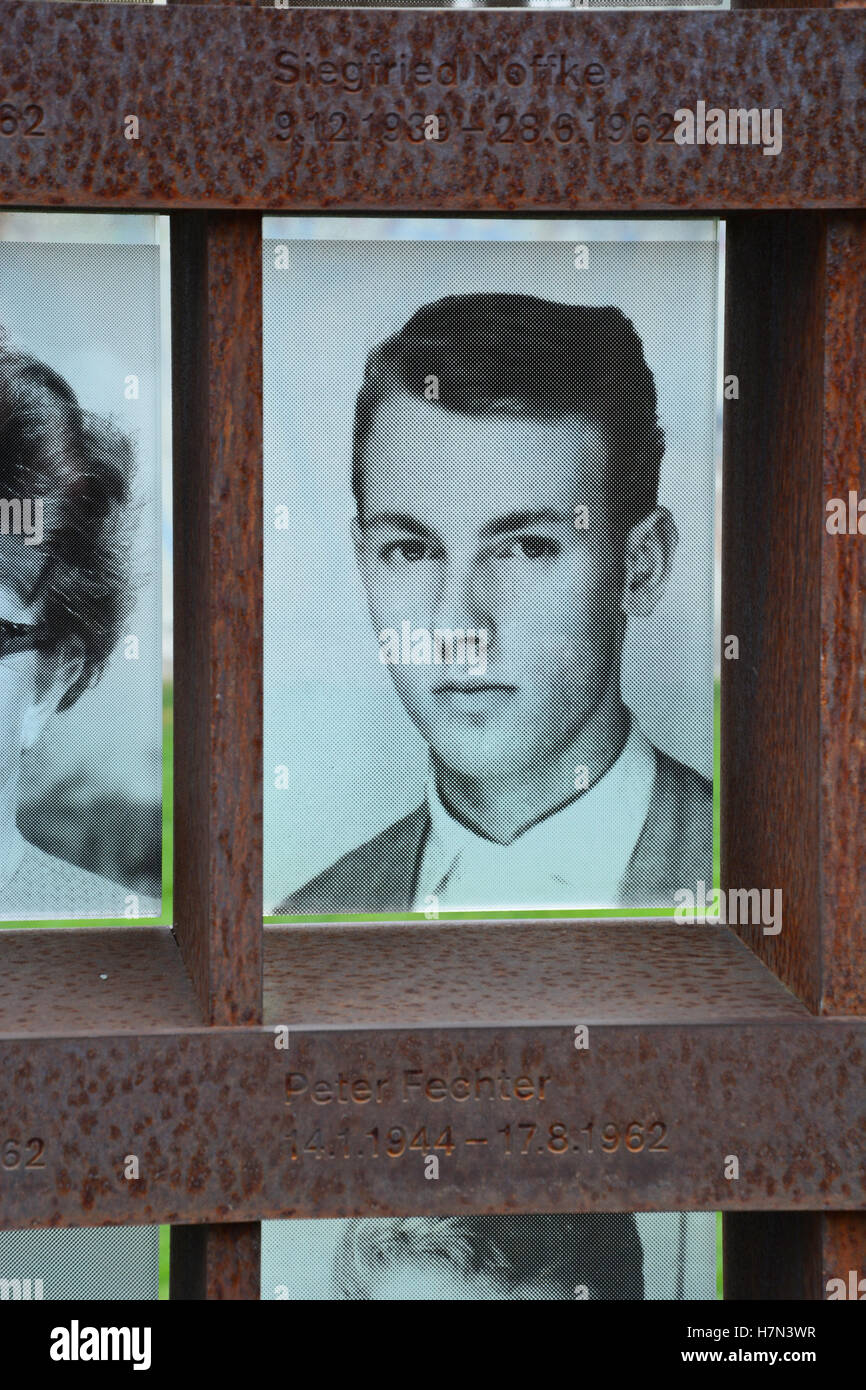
(674, 850)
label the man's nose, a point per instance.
(466, 597)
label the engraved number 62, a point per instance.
(15, 122)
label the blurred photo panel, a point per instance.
(80, 568)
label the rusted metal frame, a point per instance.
(217, 397)
(794, 706)
(598, 204)
(426, 974)
(771, 581)
(401, 975)
(227, 118)
(217, 420)
(228, 1127)
(216, 1262)
(792, 1255)
(217, 413)
(804, 280)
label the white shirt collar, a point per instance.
(574, 858)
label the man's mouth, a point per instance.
(473, 687)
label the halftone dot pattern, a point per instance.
(499, 381)
(679, 1253)
(116, 1262)
(80, 622)
(607, 1256)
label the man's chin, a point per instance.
(487, 765)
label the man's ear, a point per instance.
(56, 673)
(649, 550)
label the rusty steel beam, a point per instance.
(217, 410)
(246, 107)
(794, 704)
(217, 424)
(220, 1262)
(398, 975)
(843, 625)
(227, 1126)
(793, 1255)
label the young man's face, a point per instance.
(439, 1280)
(26, 702)
(17, 688)
(469, 522)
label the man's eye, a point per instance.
(538, 547)
(409, 549)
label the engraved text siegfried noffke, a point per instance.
(375, 69)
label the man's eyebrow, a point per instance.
(397, 521)
(520, 521)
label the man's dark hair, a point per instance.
(514, 354)
(600, 1251)
(81, 467)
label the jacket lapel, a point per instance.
(651, 870)
(397, 862)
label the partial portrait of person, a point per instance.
(585, 1257)
(505, 473)
(67, 519)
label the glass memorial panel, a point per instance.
(491, 450)
(612, 1256)
(80, 1263)
(81, 668)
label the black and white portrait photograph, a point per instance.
(80, 569)
(585, 1257)
(489, 580)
